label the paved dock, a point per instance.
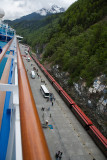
(64, 133)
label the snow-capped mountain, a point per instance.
(40, 14)
(54, 9)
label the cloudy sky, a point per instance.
(18, 8)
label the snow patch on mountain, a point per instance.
(54, 9)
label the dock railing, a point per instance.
(34, 146)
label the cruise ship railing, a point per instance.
(4, 49)
(34, 146)
(10, 139)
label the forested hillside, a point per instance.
(76, 39)
(37, 32)
(80, 45)
(75, 42)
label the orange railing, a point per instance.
(34, 146)
(5, 48)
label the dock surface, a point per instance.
(64, 132)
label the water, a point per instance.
(4, 60)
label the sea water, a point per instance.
(4, 60)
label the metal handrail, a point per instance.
(34, 146)
(5, 48)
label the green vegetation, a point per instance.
(84, 55)
(76, 39)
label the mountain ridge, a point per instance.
(54, 9)
(39, 14)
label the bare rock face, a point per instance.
(92, 100)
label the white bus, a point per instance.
(44, 91)
(26, 52)
(32, 74)
(28, 59)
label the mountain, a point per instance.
(32, 16)
(38, 15)
(54, 9)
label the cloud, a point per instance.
(18, 8)
(17, 0)
(22, 4)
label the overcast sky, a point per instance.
(18, 8)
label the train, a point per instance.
(90, 128)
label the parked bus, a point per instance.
(44, 91)
(32, 74)
(26, 52)
(28, 59)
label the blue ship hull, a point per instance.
(5, 123)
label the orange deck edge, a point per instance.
(34, 146)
